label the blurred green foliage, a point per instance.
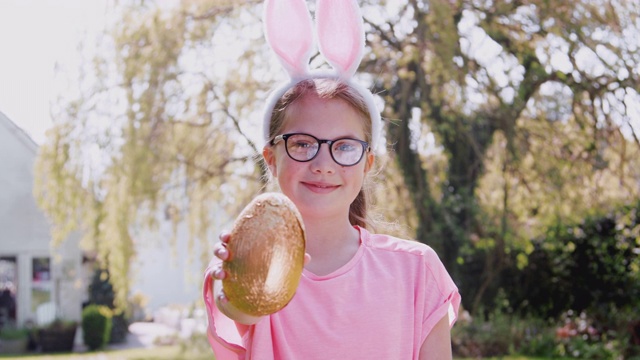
(101, 293)
(96, 326)
(590, 265)
(582, 282)
(510, 159)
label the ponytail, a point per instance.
(358, 210)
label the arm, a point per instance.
(437, 345)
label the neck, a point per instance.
(331, 244)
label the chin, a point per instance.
(318, 210)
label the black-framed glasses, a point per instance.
(304, 147)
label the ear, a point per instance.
(340, 31)
(289, 32)
(270, 159)
(369, 160)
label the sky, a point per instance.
(39, 54)
(39, 60)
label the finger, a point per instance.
(219, 274)
(222, 297)
(224, 236)
(307, 258)
(221, 252)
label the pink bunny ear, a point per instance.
(340, 34)
(289, 31)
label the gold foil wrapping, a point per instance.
(266, 248)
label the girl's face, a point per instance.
(320, 187)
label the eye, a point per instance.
(301, 142)
(345, 145)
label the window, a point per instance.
(40, 282)
(8, 289)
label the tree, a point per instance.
(167, 124)
(165, 129)
(478, 70)
(157, 133)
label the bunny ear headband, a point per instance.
(340, 31)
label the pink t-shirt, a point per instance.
(382, 304)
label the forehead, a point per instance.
(321, 117)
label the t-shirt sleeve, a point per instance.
(442, 298)
(222, 332)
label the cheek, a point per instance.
(285, 167)
(356, 174)
(361, 169)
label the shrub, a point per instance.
(574, 336)
(13, 340)
(101, 292)
(541, 342)
(13, 333)
(96, 326)
(499, 333)
(119, 328)
(585, 266)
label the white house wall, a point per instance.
(165, 275)
(24, 230)
(23, 227)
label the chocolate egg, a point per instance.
(266, 255)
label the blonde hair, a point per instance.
(329, 88)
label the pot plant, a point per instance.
(58, 336)
(13, 340)
(96, 326)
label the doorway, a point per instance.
(8, 290)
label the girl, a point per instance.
(361, 295)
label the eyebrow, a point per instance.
(350, 135)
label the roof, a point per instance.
(18, 132)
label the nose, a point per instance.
(323, 162)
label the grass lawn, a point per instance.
(158, 353)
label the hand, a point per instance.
(220, 251)
(222, 302)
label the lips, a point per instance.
(320, 187)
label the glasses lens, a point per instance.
(302, 147)
(347, 151)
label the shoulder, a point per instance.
(410, 258)
(392, 244)
(404, 251)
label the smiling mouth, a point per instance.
(320, 186)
